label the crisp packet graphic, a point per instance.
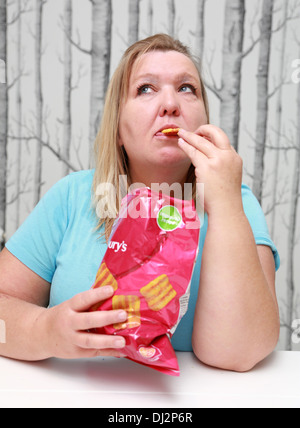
(150, 261)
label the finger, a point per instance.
(95, 341)
(98, 319)
(194, 154)
(83, 301)
(199, 143)
(216, 135)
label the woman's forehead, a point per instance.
(156, 63)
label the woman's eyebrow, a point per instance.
(187, 77)
(182, 77)
(146, 76)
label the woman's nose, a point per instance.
(169, 104)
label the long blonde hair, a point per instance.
(111, 161)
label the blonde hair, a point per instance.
(111, 160)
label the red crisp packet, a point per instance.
(149, 262)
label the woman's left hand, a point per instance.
(217, 165)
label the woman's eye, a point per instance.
(188, 89)
(144, 89)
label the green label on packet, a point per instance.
(168, 218)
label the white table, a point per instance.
(120, 383)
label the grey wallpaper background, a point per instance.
(55, 60)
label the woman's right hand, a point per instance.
(68, 325)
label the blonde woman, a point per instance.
(50, 263)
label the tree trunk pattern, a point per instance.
(101, 43)
(134, 19)
(200, 29)
(231, 71)
(38, 102)
(67, 121)
(262, 97)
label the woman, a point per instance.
(232, 321)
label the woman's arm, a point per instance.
(236, 320)
(34, 332)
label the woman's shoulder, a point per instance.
(83, 178)
(80, 178)
(76, 183)
(79, 188)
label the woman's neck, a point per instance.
(165, 180)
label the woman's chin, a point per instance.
(172, 155)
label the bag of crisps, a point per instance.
(149, 262)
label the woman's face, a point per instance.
(164, 92)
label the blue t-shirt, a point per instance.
(60, 243)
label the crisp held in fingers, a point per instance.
(170, 131)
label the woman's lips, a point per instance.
(168, 132)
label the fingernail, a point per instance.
(122, 316)
(120, 342)
(107, 289)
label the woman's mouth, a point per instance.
(168, 132)
(171, 132)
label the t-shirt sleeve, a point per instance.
(258, 222)
(37, 241)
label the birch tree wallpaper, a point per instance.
(56, 58)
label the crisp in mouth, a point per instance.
(170, 131)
